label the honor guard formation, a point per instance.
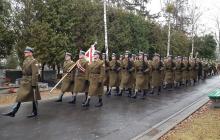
(129, 75)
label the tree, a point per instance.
(6, 32)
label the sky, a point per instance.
(210, 9)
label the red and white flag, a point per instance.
(90, 53)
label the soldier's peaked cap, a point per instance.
(96, 52)
(28, 49)
(156, 54)
(141, 53)
(67, 53)
(82, 52)
(127, 52)
(113, 54)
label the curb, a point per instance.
(161, 128)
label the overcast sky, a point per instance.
(210, 10)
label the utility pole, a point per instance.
(106, 32)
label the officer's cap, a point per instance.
(82, 52)
(113, 54)
(69, 54)
(127, 52)
(29, 49)
(96, 52)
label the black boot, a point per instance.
(129, 92)
(99, 104)
(152, 91)
(73, 101)
(34, 112)
(60, 98)
(86, 93)
(109, 92)
(119, 94)
(143, 95)
(86, 104)
(135, 95)
(14, 111)
(159, 90)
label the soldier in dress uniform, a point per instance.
(141, 69)
(147, 74)
(95, 75)
(106, 77)
(114, 69)
(28, 90)
(185, 71)
(81, 83)
(157, 67)
(68, 81)
(127, 69)
(179, 72)
(193, 70)
(169, 67)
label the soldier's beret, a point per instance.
(96, 52)
(82, 52)
(29, 49)
(67, 53)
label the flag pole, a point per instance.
(105, 27)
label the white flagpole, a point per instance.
(106, 32)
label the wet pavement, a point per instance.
(120, 118)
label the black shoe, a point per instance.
(108, 93)
(59, 100)
(10, 114)
(86, 104)
(73, 101)
(99, 104)
(32, 115)
(134, 96)
(120, 94)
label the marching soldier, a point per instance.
(178, 71)
(81, 83)
(68, 82)
(169, 67)
(106, 77)
(28, 90)
(193, 71)
(205, 69)
(127, 69)
(114, 69)
(141, 68)
(147, 74)
(200, 69)
(157, 67)
(185, 71)
(95, 76)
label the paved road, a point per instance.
(120, 117)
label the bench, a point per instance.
(214, 96)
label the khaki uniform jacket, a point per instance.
(29, 79)
(114, 73)
(127, 70)
(80, 84)
(169, 72)
(95, 76)
(157, 67)
(68, 82)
